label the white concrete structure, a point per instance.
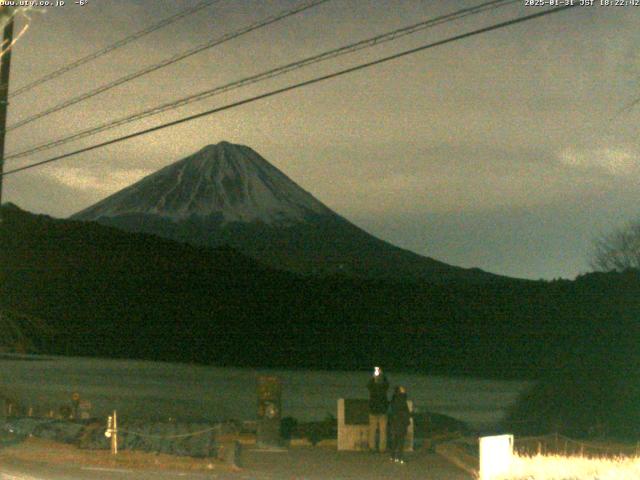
(496, 455)
(353, 427)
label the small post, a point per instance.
(114, 437)
(75, 402)
(230, 453)
(112, 432)
(539, 448)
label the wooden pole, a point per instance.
(5, 65)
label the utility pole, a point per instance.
(5, 64)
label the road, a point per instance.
(297, 463)
(20, 470)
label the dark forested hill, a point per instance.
(110, 293)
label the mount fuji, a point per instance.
(228, 194)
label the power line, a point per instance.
(295, 86)
(120, 43)
(176, 58)
(281, 70)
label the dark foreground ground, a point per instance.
(324, 463)
(308, 463)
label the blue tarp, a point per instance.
(185, 439)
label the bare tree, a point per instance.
(619, 250)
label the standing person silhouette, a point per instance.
(399, 420)
(378, 404)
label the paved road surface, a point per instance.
(294, 464)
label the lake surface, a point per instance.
(159, 391)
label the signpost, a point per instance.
(269, 411)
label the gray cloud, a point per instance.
(501, 138)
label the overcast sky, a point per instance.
(506, 151)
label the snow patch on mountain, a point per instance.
(231, 182)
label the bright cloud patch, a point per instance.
(85, 180)
(615, 161)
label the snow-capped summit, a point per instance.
(227, 181)
(227, 194)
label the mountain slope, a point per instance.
(228, 194)
(110, 293)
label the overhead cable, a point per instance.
(294, 87)
(110, 48)
(278, 71)
(165, 63)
